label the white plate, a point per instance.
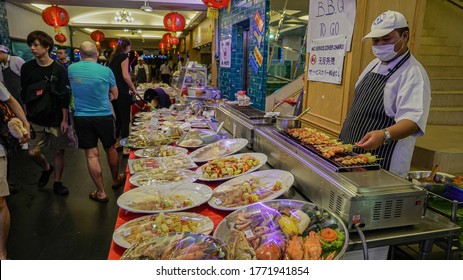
(266, 178)
(186, 142)
(218, 149)
(142, 152)
(259, 156)
(197, 193)
(163, 177)
(177, 162)
(139, 227)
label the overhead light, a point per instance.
(146, 7)
(123, 16)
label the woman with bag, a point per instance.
(119, 64)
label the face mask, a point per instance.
(385, 52)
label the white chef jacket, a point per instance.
(407, 96)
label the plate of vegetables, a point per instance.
(250, 188)
(283, 229)
(230, 167)
(149, 226)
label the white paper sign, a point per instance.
(328, 18)
(225, 53)
(326, 59)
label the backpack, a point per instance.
(8, 141)
(42, 98)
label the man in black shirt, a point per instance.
(54, 126)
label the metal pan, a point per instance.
(284, 122)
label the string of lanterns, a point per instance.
(56, 17)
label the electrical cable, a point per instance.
(364, 242)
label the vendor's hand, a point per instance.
(64, 126)
(371, 140)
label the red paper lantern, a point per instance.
(113, 43)
(55, 16)
(162, 45)
(60, 38)
(217, 4)
(174, 22)
(166, 38)
(174, 40)
(97, 36)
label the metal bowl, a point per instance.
(438, 184)
(285, 122)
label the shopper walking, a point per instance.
(119, 64)
(93, 118)
(38, 77)
(6, 97)
(63, 58)
(165, 72)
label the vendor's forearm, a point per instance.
(403, 129)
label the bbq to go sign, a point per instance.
(330, 18)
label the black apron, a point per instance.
(141, 75)
(12, 83)
(367, 113)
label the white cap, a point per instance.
(385, 23)
(4, 49)
(140, 58)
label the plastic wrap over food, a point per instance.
(283, 229)
(178, 246)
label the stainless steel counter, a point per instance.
(420, 229)
(430, 227)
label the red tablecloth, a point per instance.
(116, 251)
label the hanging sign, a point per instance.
(326, 59)
(225, 53)
(328, 18)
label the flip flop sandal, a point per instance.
(121, 179)
(94, 196)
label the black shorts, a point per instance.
(90, 129)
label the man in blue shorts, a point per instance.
(94, 87)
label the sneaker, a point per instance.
(60, 189)
(43, 180)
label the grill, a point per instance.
(248, 112)
(338, 166)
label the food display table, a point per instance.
(432, 226)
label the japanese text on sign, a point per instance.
(329, 18)
(327, 59)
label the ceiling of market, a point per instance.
(89, 15)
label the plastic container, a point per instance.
(243, 99)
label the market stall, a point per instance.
(343, 194)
